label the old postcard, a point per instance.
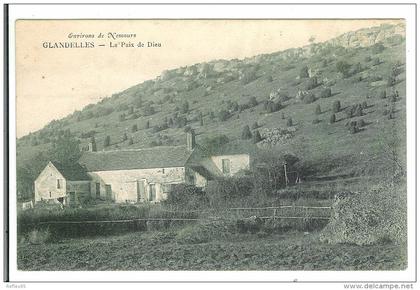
(211, 145)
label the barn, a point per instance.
(137, 175)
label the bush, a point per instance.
(367, 218)
(309, 98)
(304, 72)
(336, 107)
(223, 115)
(325, 93)
(318, 110)
(224, 189)
(312, 83)
(187, 196)
(360, 123)
(382, 94)
(107, 141)
(256, 137)
(343, 68)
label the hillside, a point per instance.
(364, 69)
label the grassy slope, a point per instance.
(312, 142)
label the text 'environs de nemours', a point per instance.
(110, 35)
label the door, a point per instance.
(140, 191)
(152, 192)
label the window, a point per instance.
(98, 190)
(58, 184)
(167, 187)
(226, 166)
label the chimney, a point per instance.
(92, 145)
(190, 139)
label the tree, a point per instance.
(147, 125)
(130, 141)
(255, 125)
(256, 137)
(134, 128)
(213, 143)
(289, 122)
(246, 133)
(148, 110)
(252, 102)
(201, 119)
(382, 94)
(107, 141)
(343, 68)
(309, 98)
(325, 93)
(332, 119)
(318, 110)
(65, 150)
(336, 106)
(304, 72)
(185, 107)
(125, 137)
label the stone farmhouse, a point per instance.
(136, 175)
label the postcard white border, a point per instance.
(406, 12)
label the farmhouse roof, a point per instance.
(156, 157)
(74, 172)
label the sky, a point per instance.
(54, 82)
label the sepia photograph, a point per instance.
(211, 145)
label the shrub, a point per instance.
(107, 141)
(148, 110)
(312, 83)
(249, 76)
(256, 137)
(382, 94)
(224, 189)
(255, 125)
(376, 61)
(358, 110)
(349, 112)
(289, 122)
(309, 98)
(252, 102)
(336, 106)
(343, 68)
(187, 196)
(325, 93)
(134, 128)
(269, 78)
(367, 218)
(185, 107)
(378, 48)
(214, 142)
(121, 117)
(391, 81)
(360, 123)
(364, 105)
(130, 141)
(304, 72)
(318, 110)
(223, 115)
(271, 107)
(246, 133)
(332, 119)
(353, 129)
